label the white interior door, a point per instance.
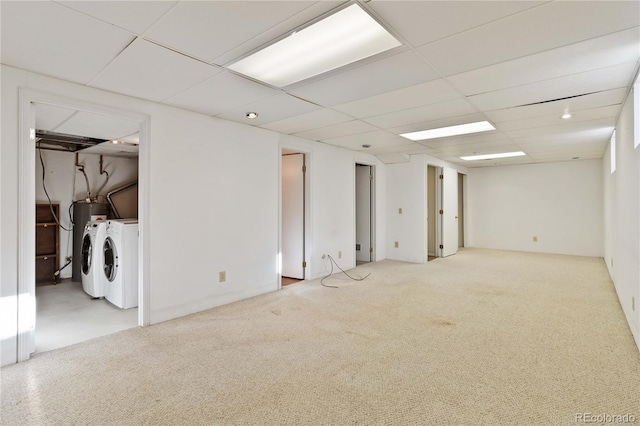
(449, 212)
(363, 213)
(293, 216)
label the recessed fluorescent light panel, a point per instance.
(443, 132)
(347, 36)
(493, 156)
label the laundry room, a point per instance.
(86, 187)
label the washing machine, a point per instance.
(91, 258)
(120, 263)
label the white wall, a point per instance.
(407, 189)
(60, 174)
(559, 203)
(622, 217)
(214, 204)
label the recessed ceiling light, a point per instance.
(252, 115)
(342, 38)
(443, 132)
(492, 156)
(566, 116)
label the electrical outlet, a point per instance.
(400, 210)
(222, 276)
(535, 239)
(339, 255)
(396, 245)
(324, 256)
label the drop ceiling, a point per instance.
(520, 65)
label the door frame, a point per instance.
(373, 257)
(435, 208)
(27, 199)
(307, 211)
(440, 243)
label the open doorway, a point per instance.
(52, 128)
(364, 209)
(461, 199)
(293, 213)
(86, 176)
(432, 216)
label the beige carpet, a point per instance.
(482, 337)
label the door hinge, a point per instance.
(441, 211)
(441, 246)
(370, 177)
(304, 264)
(370, 249)
(304, 169)
(441, 176)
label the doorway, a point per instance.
(461, 199)
(432, 216)
(293, 214)
(364, 209)
(41, 110)
(78, 169)
(448, 211)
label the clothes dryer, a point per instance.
(120, 267)
(91, 258)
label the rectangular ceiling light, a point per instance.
(443, 132)
(337, 40)
(493, 156)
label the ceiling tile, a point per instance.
(476, 149)
(52, 39)
(98, 126)
(312, 120)
(48, 117)
(456, 107)
(146, 70)
(465, 140)
(594, 100)
(134, 16)
(207, 29)
(377, 139)
(271, 109)
(393, 158)
(587, 130)
(390, 73)
(598, 80)
(421, 22)
(434, 124)
(555, 120)
(220, 93)
(337, 130)
(512, 161)
(275, 32)
(405, 147)
(551, 25)
(409, 97)
(601, 52)
(566, 147)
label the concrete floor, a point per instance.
(66, 315)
